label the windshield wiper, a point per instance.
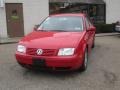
(60, 30)
(53, 30)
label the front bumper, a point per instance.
(71, 62)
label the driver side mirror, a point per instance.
(36, 27)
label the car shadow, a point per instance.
(51, 74)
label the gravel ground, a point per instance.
(103, 71)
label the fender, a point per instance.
(82, 45)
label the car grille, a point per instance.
(46, 52)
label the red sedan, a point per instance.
(61, 42)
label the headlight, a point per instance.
(21, 49)
(66, 51)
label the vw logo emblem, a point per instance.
(39, 52)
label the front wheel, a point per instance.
(85, 61)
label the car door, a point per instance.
(90, 33)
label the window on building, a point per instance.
(96, 12)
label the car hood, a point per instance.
(52, 40)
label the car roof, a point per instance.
(69, 14)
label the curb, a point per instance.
(107, 34)
(9, 40)
(1, 43)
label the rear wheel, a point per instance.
(85, 61)
(93, 45)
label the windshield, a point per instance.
(62, 23)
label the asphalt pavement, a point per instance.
(103, 71)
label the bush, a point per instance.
(105, 28)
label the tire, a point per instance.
(85, 62)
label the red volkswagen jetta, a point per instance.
(61, 42)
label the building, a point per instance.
(95, 9)
(18, 17)
(112, 11)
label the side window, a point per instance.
(90, 24)
(87, 23)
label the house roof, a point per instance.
(81, 1)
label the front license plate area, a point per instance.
(39, 62)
